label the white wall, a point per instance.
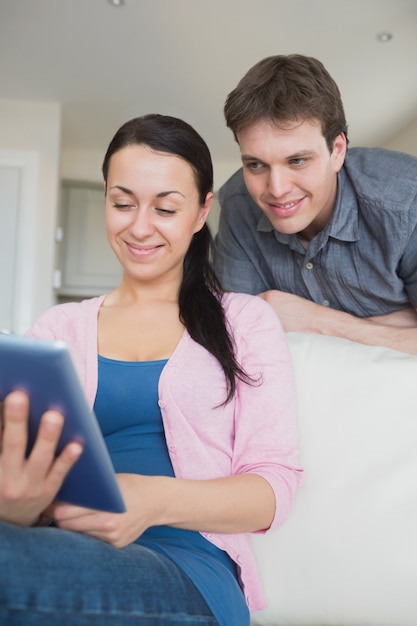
(36, 126)
(85, 165)
(81, 165)
(405, 141)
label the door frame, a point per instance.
(27, 162)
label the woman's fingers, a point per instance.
(62, 465)
(42, 466)
(15, 430)
(28, 485)
(45, 467)
(47, 438)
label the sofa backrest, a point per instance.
(347, 556)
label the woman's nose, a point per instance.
(142, 224)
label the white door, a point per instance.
(9, 210)
(18, 211)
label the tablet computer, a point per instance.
(45, 371)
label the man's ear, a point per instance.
(339, 151)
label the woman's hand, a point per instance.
(143, 503)
(242, 503)
(29, 485)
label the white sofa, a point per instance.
(347, 556)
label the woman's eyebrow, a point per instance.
(162, 194)
(129, 192)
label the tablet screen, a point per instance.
(45, 371)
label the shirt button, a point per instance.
(309, 265)
(326, 303)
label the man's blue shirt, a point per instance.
(363, 262)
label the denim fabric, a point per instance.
(51, 577)
(363, 262)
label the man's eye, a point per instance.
(299, 161)
(254, 165)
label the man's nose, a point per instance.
(279, 182)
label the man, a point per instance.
(325, 234)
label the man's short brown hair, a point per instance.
(284, 89)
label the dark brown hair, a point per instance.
(200, 295)
(284, 89)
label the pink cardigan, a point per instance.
(256, 432)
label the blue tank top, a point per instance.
(127, 410)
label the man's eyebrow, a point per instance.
(162, 194)
(301, 153)
(249, 157)
(297, 155)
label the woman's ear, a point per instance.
(204, 211)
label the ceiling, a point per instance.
(106, 64)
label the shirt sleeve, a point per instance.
(408, 263)
(234, 266)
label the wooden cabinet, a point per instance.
(87, 265)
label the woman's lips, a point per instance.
(142, 251)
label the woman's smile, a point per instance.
(140, 251)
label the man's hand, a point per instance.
(295, 313)
(397, 330)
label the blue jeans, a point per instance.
(53, 577)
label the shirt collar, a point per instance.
(343, 224)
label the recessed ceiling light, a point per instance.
(384, 37)
(116, 3)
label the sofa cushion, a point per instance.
(347, 556)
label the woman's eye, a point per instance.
(165, 211)
(118, 205)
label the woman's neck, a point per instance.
(138, 329)
(131, 292)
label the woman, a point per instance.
(194, 394)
